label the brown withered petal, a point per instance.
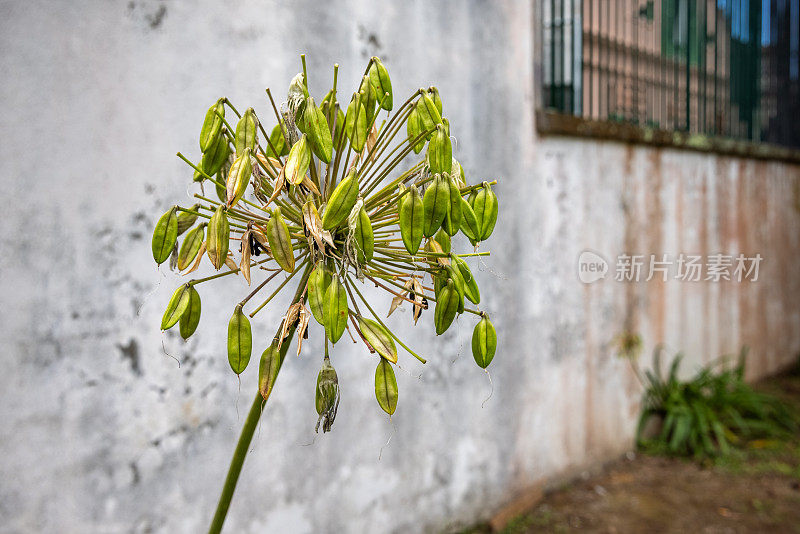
(398, 300)
(244, 265)
(280, 183)
(313, 224)
(302, 327)
(289, 319)
(308, 184)
(197, 259)
(230, 262)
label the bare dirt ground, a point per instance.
(755, 490)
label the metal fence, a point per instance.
(722, 68)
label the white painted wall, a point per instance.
(104, 433)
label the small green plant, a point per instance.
(709, 414)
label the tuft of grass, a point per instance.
(711, 414)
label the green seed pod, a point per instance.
(414, 128)
(240, 340)
(412, 219)
(439, 281)
(485, 206)
(212, 125)
(471, 290)
(447, 304)
(341, 202)
(277, 142)
(318, 282)
(443, 239)
(191, 316)
(164, 235)
(484, 342)
(369, 98)
(364, 237)
(318, 131)
(454, 274)
(436, 202)
(446, 124)
(380, 338)
(246, 131)
(336, 312)
(268, 368)
(217, 239)
(176, 307)
(440, 152)
(239, 177)
(298, 161)
(386, 387)
(186, 220)
(429, 116)
(356, 127)
(469, 223)
(437, 99)
(452, 220)
(280, 241)
(190, 247)
(381, 83)
(214, 158)
(337, 116)
(326, 399)
(222, 193)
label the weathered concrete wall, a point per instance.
(104, 433)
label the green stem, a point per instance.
(247, 434)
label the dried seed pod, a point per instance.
(190, 247)
(280, 241)
(268, 368)
(239, 177)
(379, 337)
(452, 219)
(414, 128)
(447, 304)
(443, 239)
(215, 157)
(412, 219)
(326, 399)
(381, 83)
(246, 130)
(340, 203)
(240, 340)
(298, 161)
(484, 342)
(176, 307)
(429, 115)
(318, 282)
(187, 219)
(164, 235)
(297, 94)
(469, 223)
(212, 125)
(277, 142)
(485, 207)
(471, 290)
(364, 237)
(191, 315)
(336, 312)
(440, 152)
(217, 239)
(318, 131)
(355, 124)
(436, 202)
(386, 387)
(433, 92)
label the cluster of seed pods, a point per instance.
(331, 198)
